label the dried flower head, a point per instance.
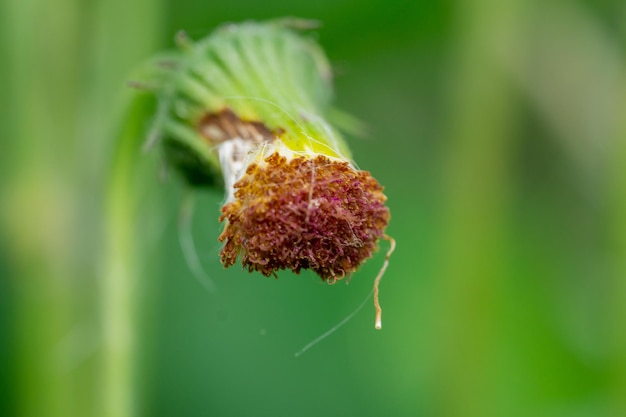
(247, 106)
(303, 212)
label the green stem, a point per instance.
(122, 281)
(123, 35)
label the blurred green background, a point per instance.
(499, 132)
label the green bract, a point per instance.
(263, 72)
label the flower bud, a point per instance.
(248, 107)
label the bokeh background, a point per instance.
(498, 129)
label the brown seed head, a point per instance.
(306, 212)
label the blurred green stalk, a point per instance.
(617, 203)
(119, 284)
(122, 280)
(618, 223)
(475, 200)
(66, 63)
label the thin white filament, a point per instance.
(335, 327)
(374, 291)
(188, 247)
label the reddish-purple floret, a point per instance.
(303, 213)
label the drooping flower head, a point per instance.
(247, 107)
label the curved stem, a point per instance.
(122, 281)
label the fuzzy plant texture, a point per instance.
(247, 108)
